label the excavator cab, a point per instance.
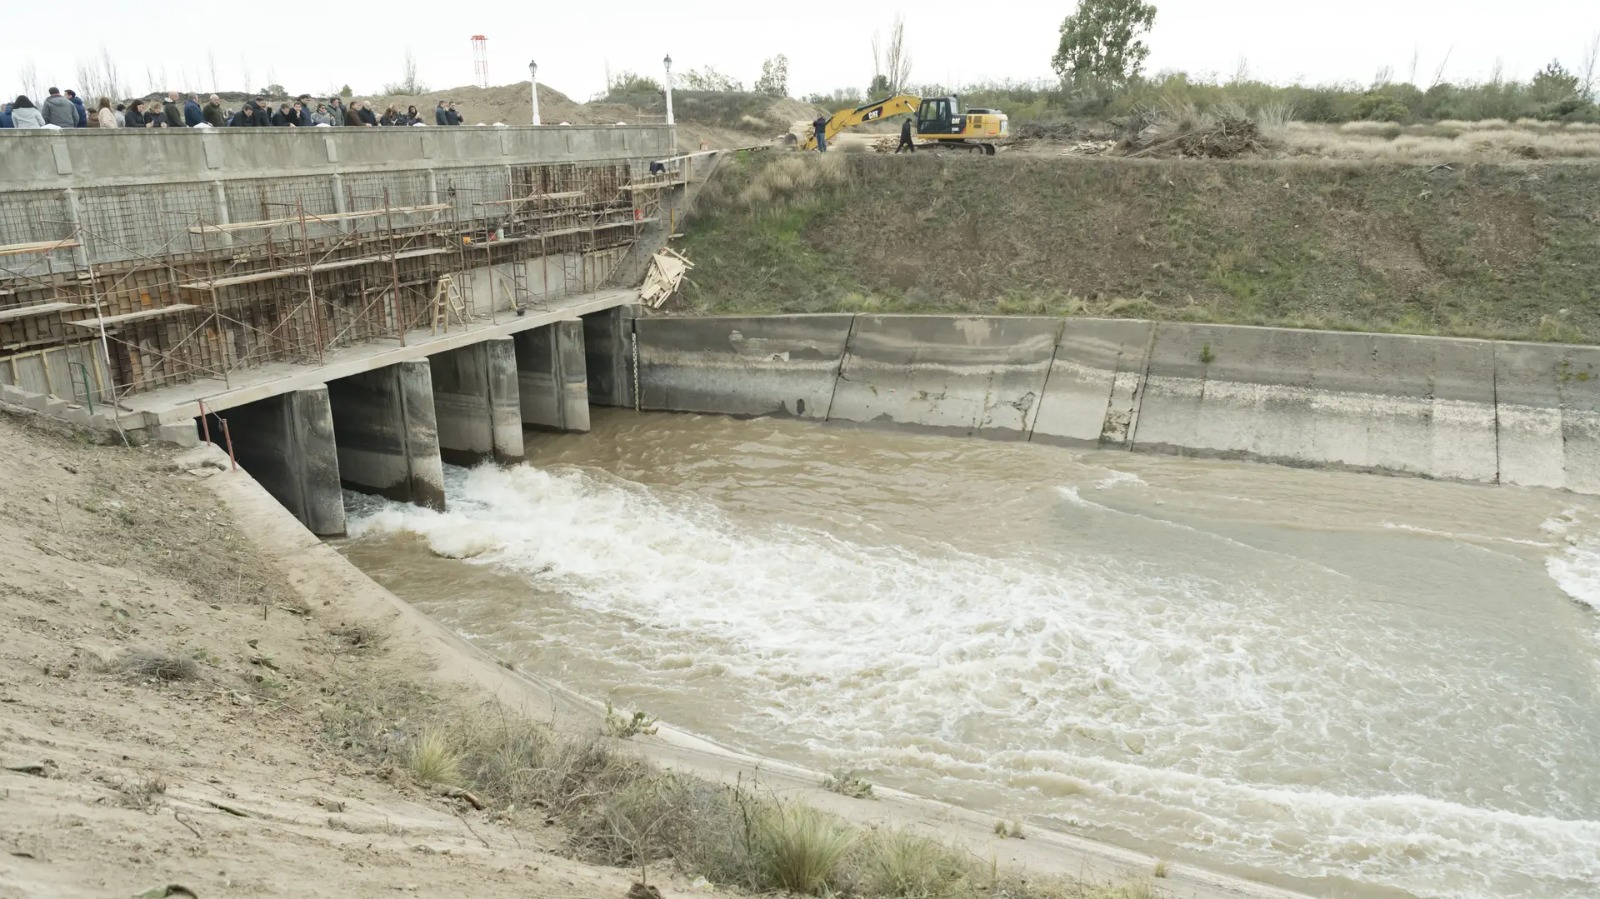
(938, 115)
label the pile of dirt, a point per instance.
(1222, 137)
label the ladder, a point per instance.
(447, 302)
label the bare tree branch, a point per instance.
(1587, 70)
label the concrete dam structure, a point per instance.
(132, 262)
(360, 304)
(1471, 410)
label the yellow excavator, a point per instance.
(939, 120)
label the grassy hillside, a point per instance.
(1476, 250)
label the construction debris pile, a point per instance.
(1220, 137)
(667, 271)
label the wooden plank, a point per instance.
(95, 323)
(44, 309)
(48, 246)
(269, 224)
(255, 277)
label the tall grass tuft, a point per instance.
(902, 865)
(432, 759)
(800, 848)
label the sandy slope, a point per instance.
(107, 550)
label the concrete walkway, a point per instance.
(180, 402)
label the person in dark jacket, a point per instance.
(157, 116)
(411, 116)
(440, 115)
(83, 114)
(135, 116)
(368, 117)
(352, 115)
(820, 129)
(173, 110)
(192, 114)
(905, 138)
(5, 116)
(263, 112)
(285, 116)
(453, 113)
(245, 117)
(59, 111)
(212, 113)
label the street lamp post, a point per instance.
(666, 63)
(533, 86)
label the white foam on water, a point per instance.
(1120, 479)
(1177, 710)
(1575, 565)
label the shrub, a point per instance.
(432, 760)
(800, 848)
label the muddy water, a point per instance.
(1354, 685)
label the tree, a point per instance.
(346, 92)
(1554, 84)
(891, 64)
(774, 80)
(708, 79)
(408, 85)
(1591, 60)
(1102, 40)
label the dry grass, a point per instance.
(1494, 140)
(433, 759)
(904, 865)
(143, 794)
(145, 666)
(618, 809)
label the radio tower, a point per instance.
(480, 59)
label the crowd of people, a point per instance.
(65, 109)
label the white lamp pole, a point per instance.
(666, 63)
(533, 86)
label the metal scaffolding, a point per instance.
(310, 272)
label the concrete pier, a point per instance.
(475, 402)
(553, 378)
(387, 433)
(608, 351)
(286, 443)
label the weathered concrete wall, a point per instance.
(608, 353)
(383, 422)
(979, 375)
(34, 160)
(1361, 401)
(553, 378)
(1096, 382)
(475, 402)
(1462, 409)
(756, 365)
(1548, 405)
(286, 443)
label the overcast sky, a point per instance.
(314, 46)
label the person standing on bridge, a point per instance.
(820, 128)
(905, 138)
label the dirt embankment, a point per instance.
(166, 700)
(717, 120)
(1472, 250)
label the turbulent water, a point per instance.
(1349, 684)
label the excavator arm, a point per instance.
(899, 104)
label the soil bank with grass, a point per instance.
(1469, 249)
